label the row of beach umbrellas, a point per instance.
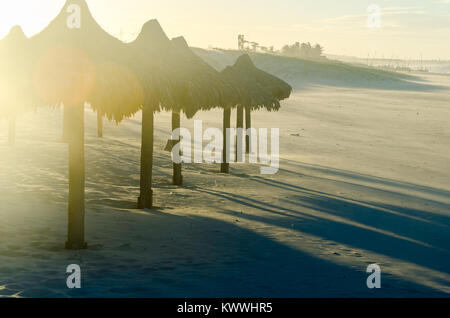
(68, 66)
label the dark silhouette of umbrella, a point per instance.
(76, 62)
(164, 87)
(15, 84)
(219, 90)
(175, 95)
(187, 87)
(224, 93)
(260, 90)
(158, 84)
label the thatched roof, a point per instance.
(260, 89)
(225, 93)
(174, 78)
(279, 88)
(156, 78)
(177, 95)
(15, 83)
(83, 63)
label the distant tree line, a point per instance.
(303, 50)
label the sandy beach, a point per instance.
(364, 178)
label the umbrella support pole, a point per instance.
(99, 125)
(12, 131)
(225, 166)
(75, 239)
(145, 200)
(240, 127)
(177, 168)
(248, 125)
(66, 124)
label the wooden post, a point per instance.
(225, 166)
(99, 125)
(248, 125)
(239, 124)
(66, 124)
(145, 200)
(76, 178)
(177, 173)
(12, 131)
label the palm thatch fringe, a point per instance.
(258, 88)
(277, 87)
(86, 64)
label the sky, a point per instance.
(407, 29)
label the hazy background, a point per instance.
(410, 29)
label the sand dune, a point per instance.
(305, 74)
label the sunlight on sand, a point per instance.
(3, 289)
(349, 193)
(353, 257)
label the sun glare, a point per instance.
(32, 16)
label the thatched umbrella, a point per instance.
(258, 90)
(76, 61)
(261, 90)
(167, 85)
(188, 88)
(158, 88)
(15, 83)
(222, 92)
